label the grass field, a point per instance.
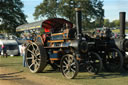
(103, 78)
(118, 30)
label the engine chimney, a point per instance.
(122, 24)
(78, 22)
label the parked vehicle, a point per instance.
(11, 47)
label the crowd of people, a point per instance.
(3, 52)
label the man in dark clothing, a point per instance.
(0, 50)
(4, 49)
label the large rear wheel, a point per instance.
(36, 57)
(125, 65)
(113, 60)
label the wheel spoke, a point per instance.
(37, 51)
(73, 70)
(66, 58)
(64, 62)
(68, 72)
(30, 51)
(38, 59)
(33, 47)
(36, 55)
(65, 70)
(72, 63)
(36, 65)
(64, 66)
(29, 58)
(31, 65)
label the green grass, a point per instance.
(84, 78)
(118, 31)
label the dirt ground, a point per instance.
(12, 72)
(13, 77)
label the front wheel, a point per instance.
(69, 66)
(94, 64)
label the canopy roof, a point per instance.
(47, 25)
(34, 25)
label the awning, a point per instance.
(34, 25)
(47, 25)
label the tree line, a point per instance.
(114, 23)
(11, 13)
(92, 11)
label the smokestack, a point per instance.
(122, 24)
(78, 22)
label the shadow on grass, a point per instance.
(11, 76)
(81, 75)
(103, 75)
(10, 64)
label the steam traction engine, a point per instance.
(111, 49)
(62, 46)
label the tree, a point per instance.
(91, 10)
(11, 15)
(126, 24)
(116, 23)
(48, 8)
(106, 23)
(111, 24)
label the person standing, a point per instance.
(0, 50)
(23, 54)
(4, 50)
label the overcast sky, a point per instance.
(111, 7)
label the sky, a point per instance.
(111, 7)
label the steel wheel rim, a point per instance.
(125, 66)
(69, 66)
(94, 65)
(113, 60)
(33, 57)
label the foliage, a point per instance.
(111, 24)
(106, 22)
(118, 31)
(91, 10)
(126, 24)
(114, 23)
(48, 8)
(11, 15)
